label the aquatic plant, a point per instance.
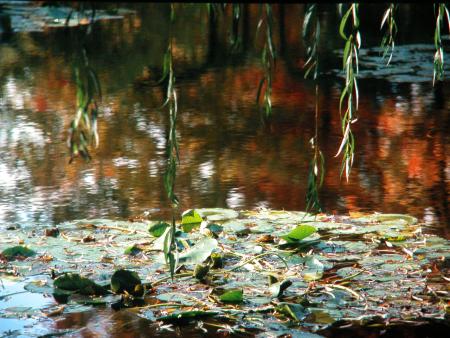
(311, 36)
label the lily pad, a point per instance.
(132, 250)
(313, 269)
(277, 289)
(190, 220)
(126, 280)
(157, 229)
(174, 297)
(300, 232)
(217, 214)
(199, 252)
(76, 283)
(18, 251)
(388, 219)
(296, 312)
(186, 316)
(232, 296)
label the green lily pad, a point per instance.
(199, 252)
(126, 280)
(76, 283)
(190, 220)
(300, 232)
(158, 229)
(232, 296)
(17, 251)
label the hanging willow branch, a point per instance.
(350, 93)
(235, 39)
(172, 151)
(311, 36)
(83, 128)
(438, 70)
(388, 41)
(268, 58)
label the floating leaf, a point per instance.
(186, 316)
(38, 287)
(232, 296)
(74, 282)
(132, 250)
(313, 269)
(300, 232)
(158, 244)
(18, 251)
(158, 229)
(296, 312)
(216, 260)
(277, 289)
(190, 220)
(217, 214)
(200, 271)
(237, 227)
(126, 280)
(199, 252)
(215, 228)
(174, 297)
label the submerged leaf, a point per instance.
(74, 282)
(186, 316)
(18, 251)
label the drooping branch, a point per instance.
(438, 69)
(350, 93)
(311, 37)
(172, 151)
(83, 128)
(268, 57)
(388, 41)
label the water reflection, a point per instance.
(229, 156)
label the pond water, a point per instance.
(230, 155)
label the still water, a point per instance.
(230, 156)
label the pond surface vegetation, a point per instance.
(249, 273)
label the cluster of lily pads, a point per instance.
(257, 272)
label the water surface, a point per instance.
(230, 155)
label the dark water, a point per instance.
(230, 156)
